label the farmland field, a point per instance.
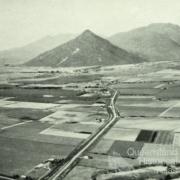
(19, 155)
(151, 123)
(86, 173)
(135, 111)
(47, 114)
(123, 149)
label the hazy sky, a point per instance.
(23, 21)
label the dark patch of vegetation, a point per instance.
(24, 113)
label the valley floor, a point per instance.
(46, 113)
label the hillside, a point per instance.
(154, 42)
(87, 49)
(23, 54)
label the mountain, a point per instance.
(87, 49)
(23, 54)
(156, 42)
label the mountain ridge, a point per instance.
(155, 42)
(22, 54)
(85, 50)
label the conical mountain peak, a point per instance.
(87, 34)
(88, 49)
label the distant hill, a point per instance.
(87, 49)
(23, 54)
(156, 42)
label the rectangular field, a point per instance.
(19, 156)
(149, 123)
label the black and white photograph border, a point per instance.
(89, 90)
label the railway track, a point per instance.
(60, 171)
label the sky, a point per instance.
(24, 21)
